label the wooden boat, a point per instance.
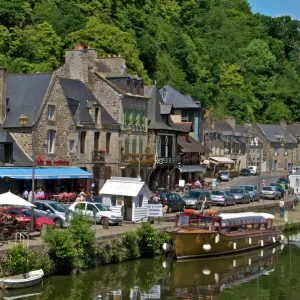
(22, 280)
(197, 235)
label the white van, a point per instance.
(253, 170)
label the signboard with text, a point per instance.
(154, 210)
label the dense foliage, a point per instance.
(233, 61)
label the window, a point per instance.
(141, 88)
(71, 145)
(7, 153)
(187, 116)
(127, 142)
(134, 87)
(51, 112)
(141, 146)
(96, 141)
(276, 151)
(113, 200)
(142, 118)
(80, 206)
(91, 207)
(286, 151)
(82, 141)
(128, 86)
(134, 145)
(141, 198)
(51, 137)
(108, 135)
(97, 115)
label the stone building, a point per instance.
(278, 145)
(294, 130)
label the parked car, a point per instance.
(253, 170)
(253, 191)
(53, 211)
(285, 181)
(96, 212)
(223, 176)
(245, 172)
(173, 202)
(222, 198)
(240, 195)
(195, 198)
(270, 192)
(279, 187)
(23, 216)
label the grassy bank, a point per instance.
(75, 249)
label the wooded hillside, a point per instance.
(235, 62)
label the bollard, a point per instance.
(43, 229)
(105, 222)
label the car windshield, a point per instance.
(267, 188)
(273, 184)
(224, 173)
(217, 193)
(249, 188)
(237, 191)
(101, 207)
(192, 194)
(58, 207)
(244, 170)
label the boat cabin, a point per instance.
(224, 223)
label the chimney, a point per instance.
(115, 63)
(165, 94)
(79, 61)
(248, 124)
(231, 122)
(283, 123)
(2, 94)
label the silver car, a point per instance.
(222, 198)
(270, 192)
(224, 176)
(240, 195)
(51, 210)
(253, 191)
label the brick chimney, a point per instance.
(2, 94)
(283, 123)
(231, 122)
(79, 61)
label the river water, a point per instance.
(269, 273)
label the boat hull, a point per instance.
(189, 244)
(22, 281)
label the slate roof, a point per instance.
(154, 116)
(241, 130)
(19, 157)
(27, 89)
(165, 109)
(191, 146)
(224, 127)
(177, 99)
(76, 90)
(294, 130)
(274, 132)
(184, 126)
(206, 126)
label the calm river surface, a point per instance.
(273, 273)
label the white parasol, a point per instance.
(12, 199)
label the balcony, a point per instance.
(98, 156)
(165, 160)
(133, 159)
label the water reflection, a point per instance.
(163, 279)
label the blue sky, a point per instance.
(276, 8)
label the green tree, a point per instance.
(275, 112)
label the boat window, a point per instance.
(183, 221)
(205, 223)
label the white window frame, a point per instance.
(71, 149)
(51, 145)
(275, 151)
(51, 109)
(286, 151)
(141, 201)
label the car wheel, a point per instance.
(58, 223)
(209, 205)
(169, 209)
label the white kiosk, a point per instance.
(130, 193)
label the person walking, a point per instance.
(25, 194)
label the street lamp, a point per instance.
(129, 132)
(23, 122)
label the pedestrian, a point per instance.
(41, 194)
(281, 210)
(263, 183)
(25, 194)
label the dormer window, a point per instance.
(128, 86)
(141, 88)
(134, 87)
(51, 112)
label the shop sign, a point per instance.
(41, 162)
(154, 210)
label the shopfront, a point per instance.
(51, 179)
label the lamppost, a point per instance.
(129, 132)
(23, 122)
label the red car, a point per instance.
(22, 216)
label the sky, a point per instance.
(276, 8)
